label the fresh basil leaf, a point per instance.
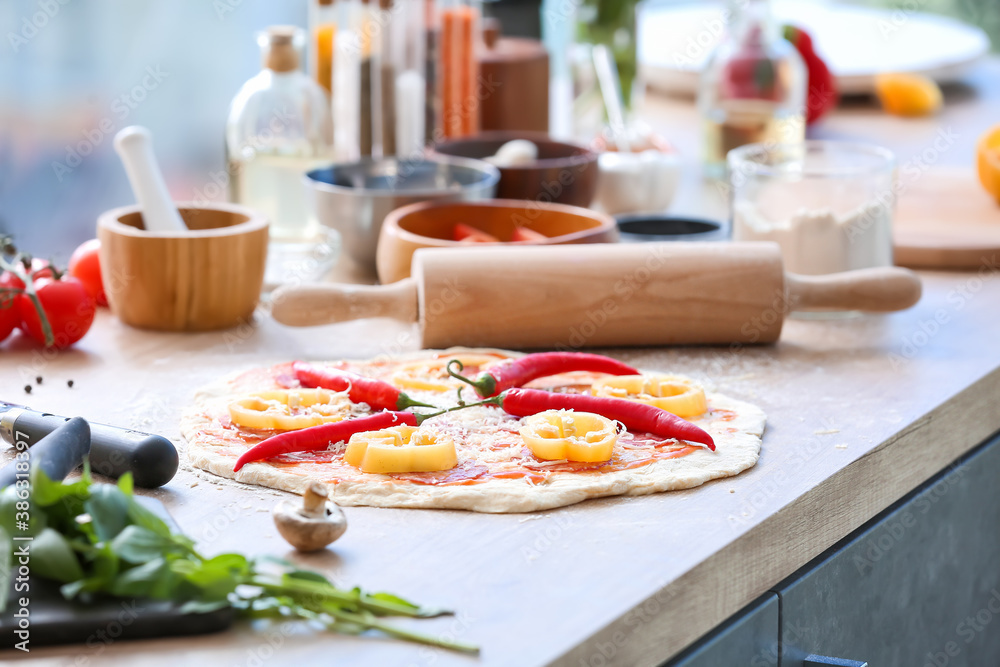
(108, 509)
(52, 557)
(199, 607)
(236, 563)
(394, 599)
(145, 518)
(217, 577)
(277, 560)
(126, 484)
(72, 589)
(307, 575)
(101, 565)
(9, 517)
(45, 492)
(105, 564)
(136, 544)
(140, 580)
(6, 547)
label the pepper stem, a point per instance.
(484, 385)
(407, 401)
(421, 418)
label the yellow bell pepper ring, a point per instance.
(555, 435)
(289, 409)
(400, 449)
(678, 396)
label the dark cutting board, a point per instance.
(55, 620)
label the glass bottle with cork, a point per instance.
(753, 88)
(278, 129)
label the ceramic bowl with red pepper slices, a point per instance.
(460, 224)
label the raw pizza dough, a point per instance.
(214, 445)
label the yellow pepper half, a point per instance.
(676, 395)
(564, 434)
(414, 375)
(289, 409)
(400, 449)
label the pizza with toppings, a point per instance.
(483, 430)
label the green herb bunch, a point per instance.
(98, 540)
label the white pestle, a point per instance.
(134, 145)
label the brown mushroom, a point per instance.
(315, 524)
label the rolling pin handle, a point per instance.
(309, 305)
(880, 290)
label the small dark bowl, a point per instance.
(564, 173)
(646, 227)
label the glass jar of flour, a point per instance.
(828, 204)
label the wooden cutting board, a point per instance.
(946, 220)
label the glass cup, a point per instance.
(827, 204)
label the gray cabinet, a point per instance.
(749, 638)
(918, 586)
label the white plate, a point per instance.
(674, 41)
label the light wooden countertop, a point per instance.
(859, 412)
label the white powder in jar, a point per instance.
(817, 241)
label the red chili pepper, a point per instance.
(324, 435)
(635, 416)
(519, 372)
(360, 389)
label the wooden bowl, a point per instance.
(430, 225)
(564, 173)
(207, 278)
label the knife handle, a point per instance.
(152, 459)
(56, 454)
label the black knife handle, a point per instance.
(152, 459)
(57, 453)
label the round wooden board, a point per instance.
(946, 221)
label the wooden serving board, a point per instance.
(946, 220)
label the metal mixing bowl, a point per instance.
(353, 198)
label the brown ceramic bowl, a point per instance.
(564, 173)
(430, 225)
(208, 277)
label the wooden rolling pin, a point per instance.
(599, 295)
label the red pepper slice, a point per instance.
(360, 389)
(528, 234)
(322, 436)
(635, 416)
(521, 371)
(469, 234)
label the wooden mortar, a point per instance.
(206, 278)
